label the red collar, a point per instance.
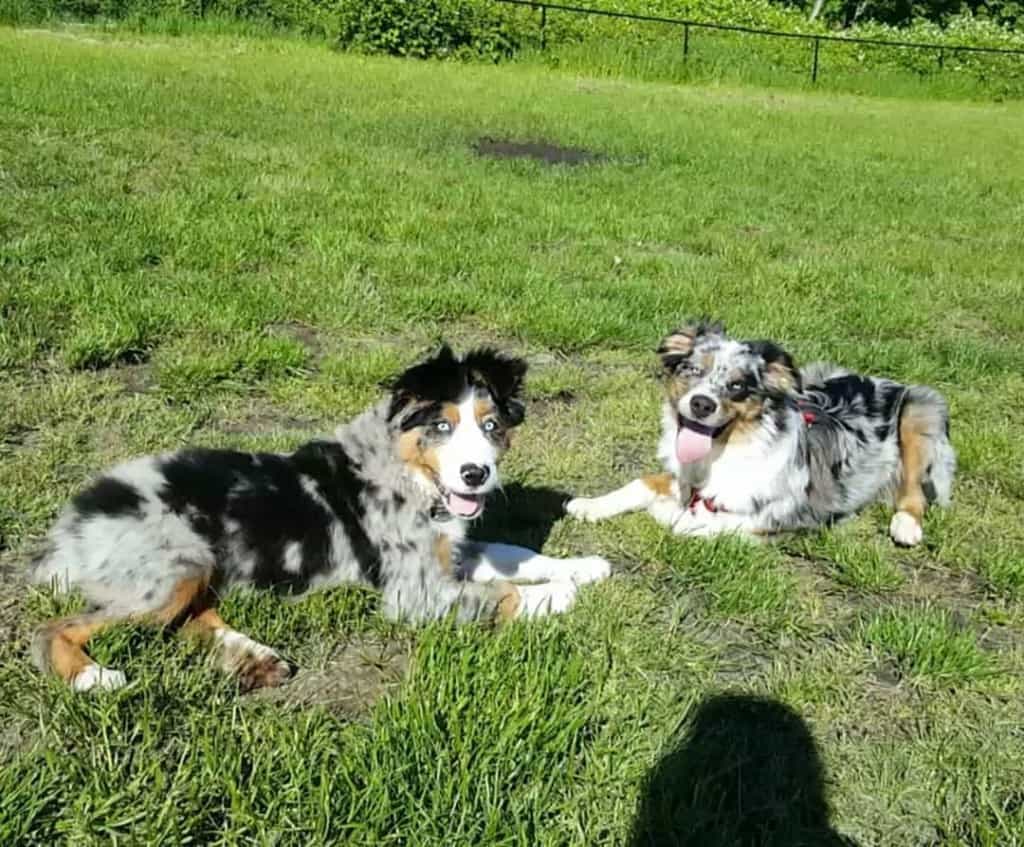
(709, 503)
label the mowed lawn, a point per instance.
(231, 242)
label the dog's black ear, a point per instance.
(779, 374)
(437, 377)
(679, 343)
(503, 377)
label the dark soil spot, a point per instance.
(354, 679)
(101, 360)
(304, 334)
(551, 154)
(135, 378)
(262, 421)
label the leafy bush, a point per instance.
(429, 28)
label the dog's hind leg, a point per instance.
(926, 463)
(59, 646)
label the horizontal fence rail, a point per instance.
(941, 49)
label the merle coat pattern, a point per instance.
(752, 444)
(383, 503)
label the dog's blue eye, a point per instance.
(690, 370)
(443, 426)
(736, 387)
(489, 426)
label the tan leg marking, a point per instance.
(443, 551)
(60, 644)
(913, 455)
(660, 484)
(508, 602)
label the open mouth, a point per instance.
(463, 505)
(694, 440)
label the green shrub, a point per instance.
(429, 28)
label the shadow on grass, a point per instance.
(521, 514)
(746, 773)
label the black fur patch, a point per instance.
(110, 497)
(263, 495)
(445, 379)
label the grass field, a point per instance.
(230, 242)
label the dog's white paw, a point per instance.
(584, 570)
(552, 598)
(905, 530)
(96, 676)
(587, 509)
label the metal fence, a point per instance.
(941, 50)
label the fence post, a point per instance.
(543, 27)
(686, 40)
(814, 67)
(942, 58)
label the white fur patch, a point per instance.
(905, 530)
(630, 498)
(509, 562)
(467, 445)
(293, 557)
(97, 676)
(235, 646)
(536, 601)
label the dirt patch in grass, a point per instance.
(541, 151)
(351, 682)
(301, 333)
(136, 378)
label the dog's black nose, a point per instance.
(474, 475)
(702, 406)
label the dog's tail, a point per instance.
(930, 415)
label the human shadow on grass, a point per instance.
(521, 514)
(746, 773)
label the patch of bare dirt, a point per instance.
(263, 420)
(351, 682)
(541, 151)
(301, 333)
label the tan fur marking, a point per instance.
(419, 456)
(65, 641)
(913, 452)
(508, 603)
(185, 599)
(779, 377)
(746, 417)
(443, 551)
(484, 408)
(204, 624)
(61, 644)
(660, 484)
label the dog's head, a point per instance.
(717, 385)
(452, 418)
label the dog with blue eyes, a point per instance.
(384, 502)
(751, 444)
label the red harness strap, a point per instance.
(709, 503)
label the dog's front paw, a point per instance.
(586, 509)
(552, 598)
(96, 677)
(584, 570)
(905, 530)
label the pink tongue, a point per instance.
(464, 507)
(692, 446)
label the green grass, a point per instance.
(225, 241)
